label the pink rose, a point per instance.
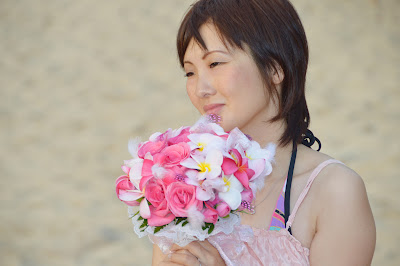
(181, 197)
(176, 153)
(155, 194)
(125, 191)
(210, 214)
(223, 209)
(182, 137)
(151, 146)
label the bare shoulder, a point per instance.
(333, 178)
(341, 200)
(337, 182)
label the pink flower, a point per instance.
(176, 153)
(223, 209)
(155, 194)
(152, 147)
(238, 167)
(182, 137)
(126, 169)
(126, 191)
(210, 214)
(215, 201)
(181, 197)
(147, 173)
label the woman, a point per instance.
(246, 61)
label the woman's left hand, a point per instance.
(196, 253)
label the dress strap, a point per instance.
(303, 194)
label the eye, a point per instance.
(189, 74)
(214, 64)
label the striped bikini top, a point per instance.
(278, 217)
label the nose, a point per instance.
(204, 86)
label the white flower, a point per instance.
(232, 195)
(206, 142)
(208, 167)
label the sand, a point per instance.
(79, 78)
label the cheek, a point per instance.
(192, 94)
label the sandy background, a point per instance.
(79, 78)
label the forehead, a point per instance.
(212, 40)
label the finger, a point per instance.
(207, 246)
(183, 257)
(194, 248)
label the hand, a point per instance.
(195, 253)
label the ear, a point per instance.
(277, 75)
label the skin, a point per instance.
(334, 221)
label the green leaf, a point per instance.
(179, 220)
(140, 200)
(140, 218)
(144, 224)
(134, 215)
(158, 228)
(185, 223)
(211, 229)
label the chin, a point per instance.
(227, 126)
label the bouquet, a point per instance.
(189, 183)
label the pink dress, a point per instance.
(253, 246)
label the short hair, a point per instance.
(273, 32)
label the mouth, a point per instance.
(213, 108)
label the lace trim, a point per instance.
(176, 234)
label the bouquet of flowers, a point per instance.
(189, 183)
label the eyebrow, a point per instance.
(207, 54)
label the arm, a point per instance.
(345, 231)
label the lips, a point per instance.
(213, 108)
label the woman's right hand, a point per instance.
(195, 253)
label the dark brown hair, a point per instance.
(275, 36)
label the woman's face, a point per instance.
(225, 82)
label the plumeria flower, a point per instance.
(206, 142)
(127, 192)
(205, 189)
(238, 166)
(260, 159)
(207, 167)
(231, 194)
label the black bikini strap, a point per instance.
(289, 184)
